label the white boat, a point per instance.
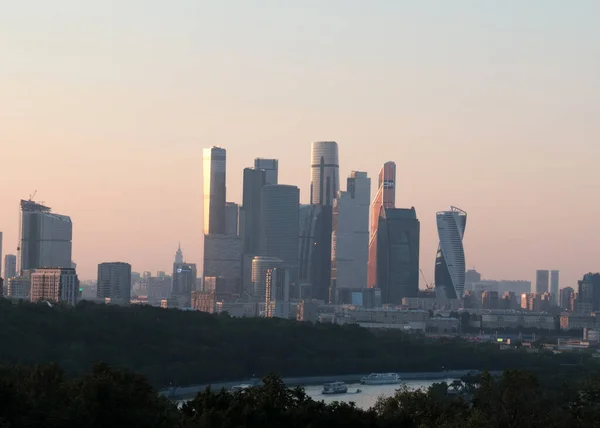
(381, 379)
(238, 388)
(335, 388)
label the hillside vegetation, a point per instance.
(172, 347)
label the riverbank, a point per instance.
(180, 393)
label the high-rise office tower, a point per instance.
(45, 238)
(384, 198)
(542, 281)
(114, 282)
(214, 190)
(54, 285)
(254, 180)
(397, 256)
(350, 236)
(279, 225)
(277, 301)
(184, 282)
(589, 291)
(450, 259)
(231, 218)
(222, 251)
(271, 168)
(260, 266)
(566, 295)
(554, 279)
(324, 175)
(10, 266)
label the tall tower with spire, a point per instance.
(179, 255)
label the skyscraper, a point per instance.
(554, 275)
(324, 176)
(398, 241)
(271, 168)
(184, 282)
(260, 266)
(384, 198)
(542, 281)
(450, 259)
(277, 301)
(214, 190)
(114, 282)
(307, 232)
(254, 180)
(279, 225)
(10, 266)
(589, 291)
(54, 285)
(350, 236)
(222, 251)
(45, 238)
(231, 218)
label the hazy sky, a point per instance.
(492, 106)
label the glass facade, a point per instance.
(214, 190)
(324, 176)
(398, 242)
(450, 263)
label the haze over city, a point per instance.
(491, 107)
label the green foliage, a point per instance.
(107, 397)
(172, 347)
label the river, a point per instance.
(368, 395)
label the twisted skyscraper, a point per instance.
(450, 260)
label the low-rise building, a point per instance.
(517, 320)
(574, 321)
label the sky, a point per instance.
(490, 106)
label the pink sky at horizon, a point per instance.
(491, 109)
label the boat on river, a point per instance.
(335, 388)
(381, 379)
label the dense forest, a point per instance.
(106, 397)
(172, 347)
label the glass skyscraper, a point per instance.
(324, 173)
(398, 241)
(450, 260)
(45, 238)
(214, 190)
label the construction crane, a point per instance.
(32, 195)
(429, 286)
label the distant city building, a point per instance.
(490, 300)
(231, 218)
(501, 286)
(554, 285)
(450, 259)
(271, 168)
(277, 299)
(1, 258)
(158, 289)
(54, 285)
(589, 291)
(214, 190)
(324, 177)
(114, 282)
(398, 240)
(279, 225)
(308, 215)
(566, 296)
(384, 198)
(260, 266)
(10, 266)
(350, 236)
(184, 282)
(45, 238)
(542, 281)
(18, 287)
(178, 255)
(472, 276)
(223, 258)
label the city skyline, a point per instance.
(506, 131)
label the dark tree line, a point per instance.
(172, 347)
(44, 397)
